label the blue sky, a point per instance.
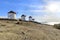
(41, 10)
(19, 6)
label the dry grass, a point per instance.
(27, 31)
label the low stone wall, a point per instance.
(8, 19)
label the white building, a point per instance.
(33, 19)
(30, 18)
(23, 17)
(11, 15)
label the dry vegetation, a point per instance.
(27, 31)
(57, 26)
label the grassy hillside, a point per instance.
(27, 31)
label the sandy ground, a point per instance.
(27, 31)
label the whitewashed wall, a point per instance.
(23, 18)
(30, 19)
(11, 16)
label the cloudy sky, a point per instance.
(41, 10)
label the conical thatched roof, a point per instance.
(12, 12)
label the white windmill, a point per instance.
(11, 15)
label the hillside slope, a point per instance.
(27, 31)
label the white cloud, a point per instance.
(47, 18)
(37, 6)
(3, 16)
(52, 10)
(37, 11)
(52, 23)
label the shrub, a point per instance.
(57, 26)
(3, 25)
(18, 23)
